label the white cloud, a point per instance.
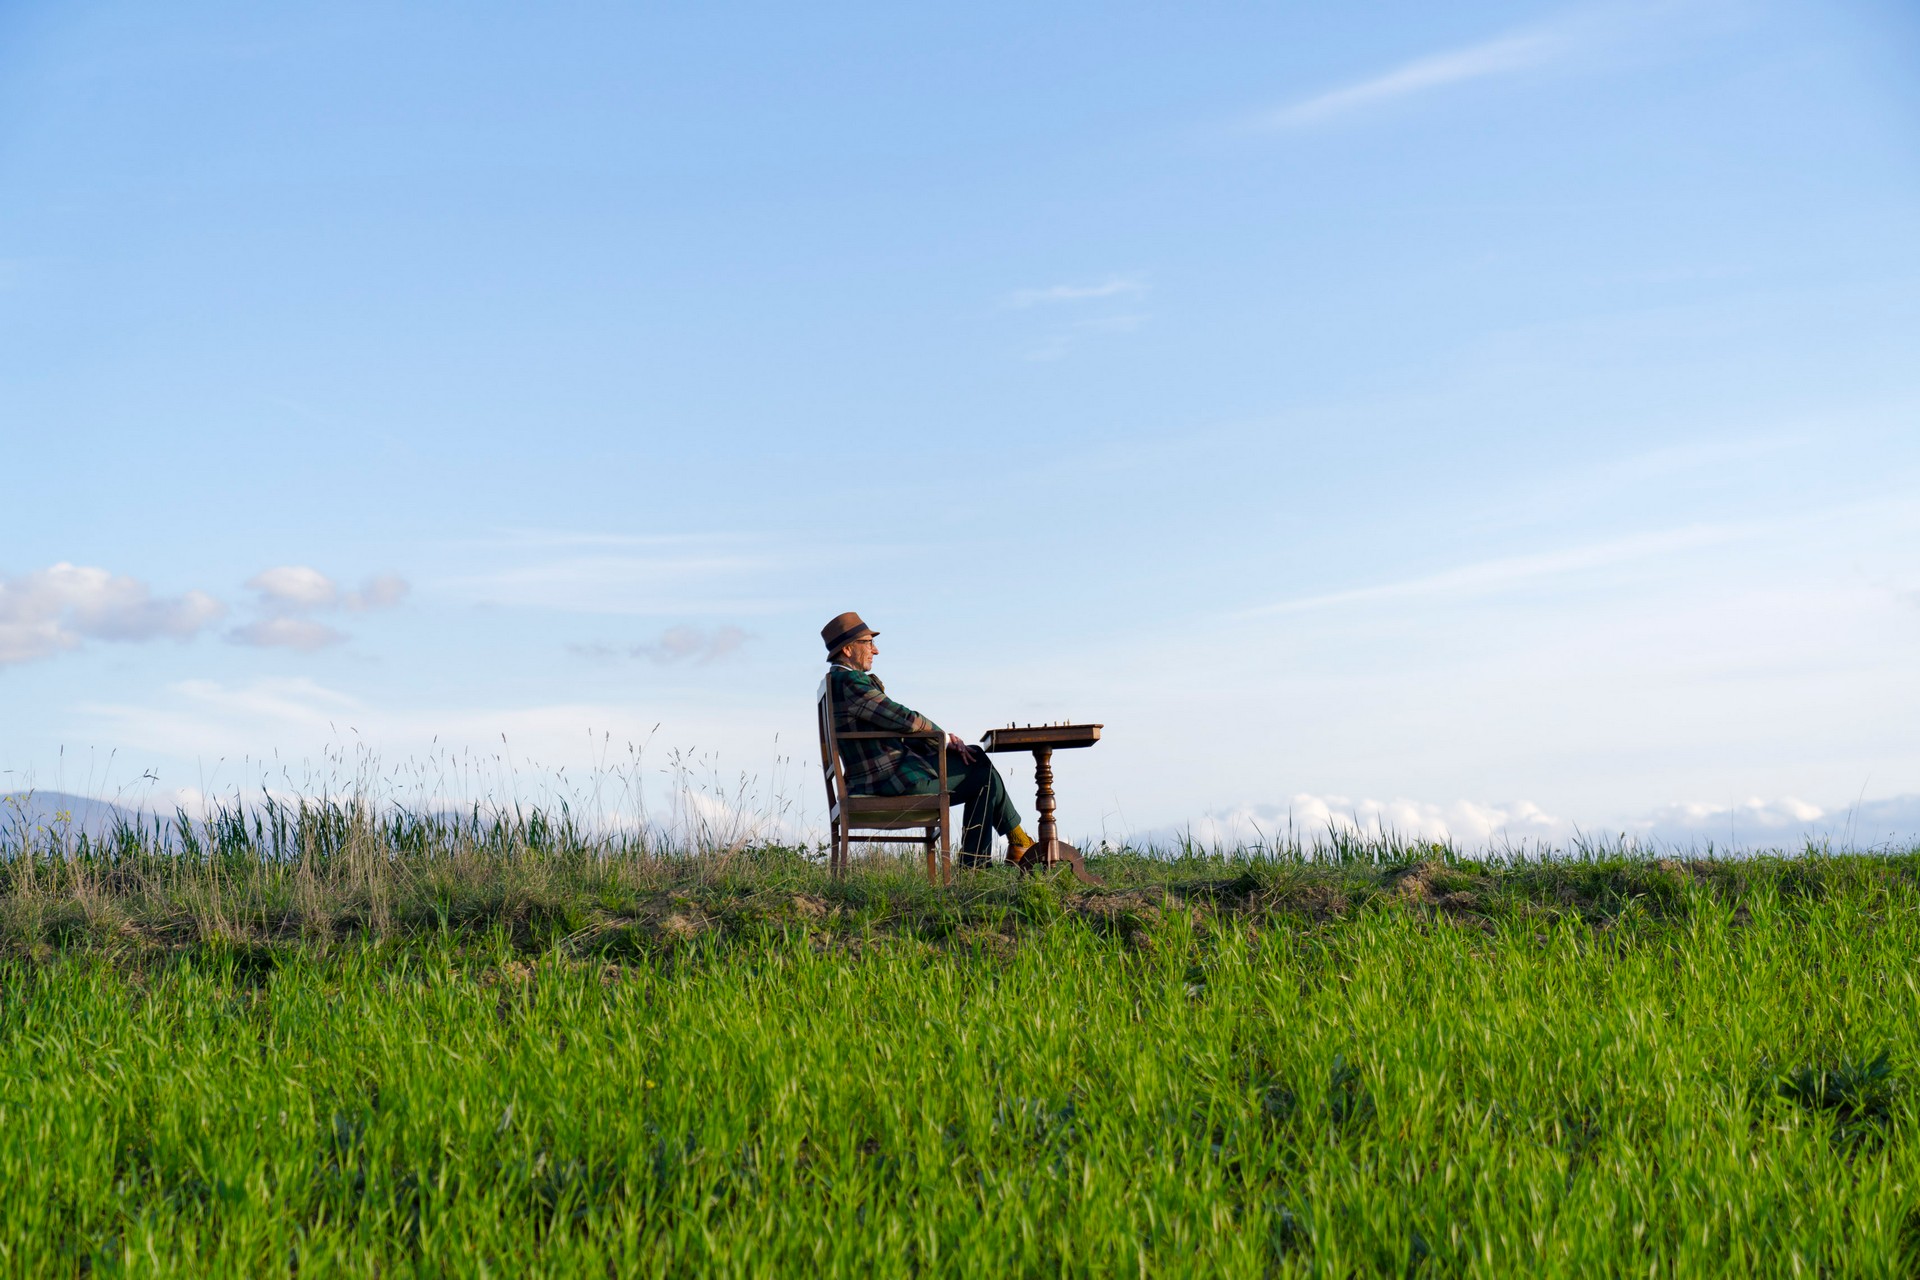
(1507, 54)
(1695, 814)
(289, 594)
(55, 609)
(298, 588)
(1114, 287)
(1309, 818)
(1754, 823)
(282, 632)
(295, 586)
(1782, 822)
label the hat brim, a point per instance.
(847, 637)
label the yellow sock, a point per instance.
(1018, 839)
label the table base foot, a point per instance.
(1048, 853)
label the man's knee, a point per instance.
(965, 777)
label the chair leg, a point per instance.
(946, 846)
(837, 852)
(933, 876)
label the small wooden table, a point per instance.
(1043, 740)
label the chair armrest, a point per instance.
(864, 733)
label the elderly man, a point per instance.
(900, 767)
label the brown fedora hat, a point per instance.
(844, 628)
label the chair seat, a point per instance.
(890, 812)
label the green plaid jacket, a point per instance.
(880, 766)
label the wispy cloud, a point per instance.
(683, 576)
(697, 645)
(528, 539)
(1114, 287)
(1505, 573)
(1505, 55)
(1056, 345)
(1068, 329)
(1128, 322)
(382, 591)
(303, 634)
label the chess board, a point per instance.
(1042, 737)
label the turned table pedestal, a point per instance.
(1043, 740)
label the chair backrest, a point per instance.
(831, 768)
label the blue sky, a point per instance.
(1490, 418)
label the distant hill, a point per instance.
(34, 809)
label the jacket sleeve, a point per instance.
(867, 706)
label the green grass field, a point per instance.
(398, 1049)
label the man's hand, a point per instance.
(967, 751)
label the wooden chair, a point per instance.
(845, 811)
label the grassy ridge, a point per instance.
(543, 1057)
(316, 875)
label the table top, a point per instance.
(1027, 737)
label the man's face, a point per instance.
(859, 653)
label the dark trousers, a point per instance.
(988, 808)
